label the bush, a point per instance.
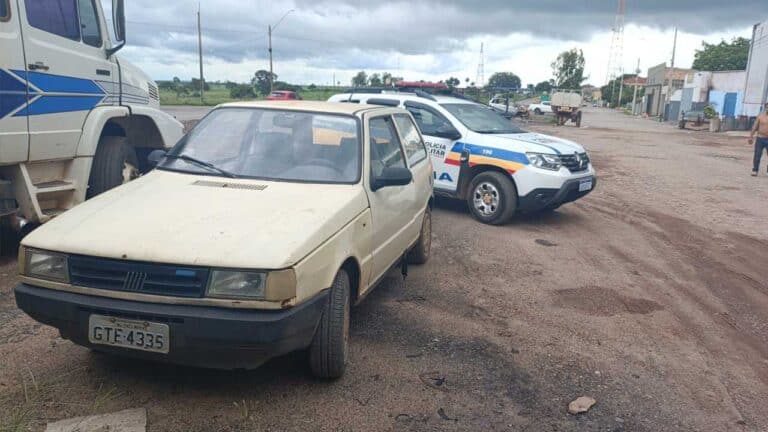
(709, 112)
(242, 91)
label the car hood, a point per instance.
(529, 142)
(177, 218)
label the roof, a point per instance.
(301, 105)
(405, 96)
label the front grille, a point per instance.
(575, 162)
(138, 277)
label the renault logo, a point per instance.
(134, 281)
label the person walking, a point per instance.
(761, 144)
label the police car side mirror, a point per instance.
(448, 132)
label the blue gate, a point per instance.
(729, 106)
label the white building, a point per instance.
(756, 89)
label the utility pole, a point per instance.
(200, 53)
(668, 79)
(271, 73)
(637, 78)
(621, 87)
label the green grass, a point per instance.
(219, 94)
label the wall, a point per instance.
(756, 88)
(729, 81)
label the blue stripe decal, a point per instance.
(61, 84)
(492, 152)
(13, 93)
(58, 104)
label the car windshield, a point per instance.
(481, 119)
(271, 144)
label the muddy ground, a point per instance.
(650, 295)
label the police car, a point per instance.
(481, 157)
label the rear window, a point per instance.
(5, 10)
(54, 16)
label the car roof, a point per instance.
(403, 96)
(301, 105)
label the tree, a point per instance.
(260, 81)
(375, 80)
(360, 80)
(241, 91)
(544, 86)
(723, 56)
(194, 85)
(452, 83)
(569, 69)
(611, 91)
(504, 80)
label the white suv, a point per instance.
(480, 156)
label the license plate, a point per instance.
(125, 333)
(585, 185)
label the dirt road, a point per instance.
(650, 295)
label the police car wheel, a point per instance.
(115, 163)
(492, 198)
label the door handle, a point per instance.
(38, 66)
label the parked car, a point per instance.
(251, 239)
(540, 108)
(283, 95)
(503, 106)
(75, 118)
(483, 158)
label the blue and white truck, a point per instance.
(75, 119)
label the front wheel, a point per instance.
(115, 163)
(537, 111)
(492, 198)
(329, 349)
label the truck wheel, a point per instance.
(492, 198)
(329, 348)
(420, 252)
(578, 119)
(8, 238)
(115, 163)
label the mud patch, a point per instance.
(600, 301)
(724, 156)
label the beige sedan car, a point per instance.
(252, 238)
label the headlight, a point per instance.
(46, 265)
(235, 284)
(545, 161)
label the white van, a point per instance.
(481, 157)
(75, 120)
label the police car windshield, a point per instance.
(272, 145)
(481, 119)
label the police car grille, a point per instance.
(138, 277)
(575, 164)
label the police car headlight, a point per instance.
(46, 265)
(545, 161)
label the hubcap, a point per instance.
(486, 199)
(130, 172)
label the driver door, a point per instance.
(445, 152)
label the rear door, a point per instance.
(445, 152)
(14, 139)
(68, 71)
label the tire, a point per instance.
(578, 119)
(115, 163)
(420, 252)
(537, 111)
(492, 198)
(9, 239)
(329, 349)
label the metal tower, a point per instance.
(480, 68)
(616, 53)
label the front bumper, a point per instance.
(200, 336)
(546, 198)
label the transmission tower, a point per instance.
(480, 68)
(616, 53)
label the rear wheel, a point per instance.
(329, 349)
(115, 163)
(537, 111)
(578, 119)
(492, 198)
(420, 252)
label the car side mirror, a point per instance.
(393, 176)
(448, 132)
(155, 157)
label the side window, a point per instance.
(412, 142)
(429, 122)
(89, 23)
(385, 146)
(54, 16)
(5, 10)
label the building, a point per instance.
(756, 86)
(661, 84)
(724, 91)
(634, 79)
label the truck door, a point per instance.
(68, 71)
(440, 137)
(14, 137)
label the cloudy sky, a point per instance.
(427, 39)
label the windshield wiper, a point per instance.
(499, 131)
(201, 163)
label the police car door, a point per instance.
(441, 138)
(69, 74)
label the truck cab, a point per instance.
(75, 119)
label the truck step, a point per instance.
(54, 186)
